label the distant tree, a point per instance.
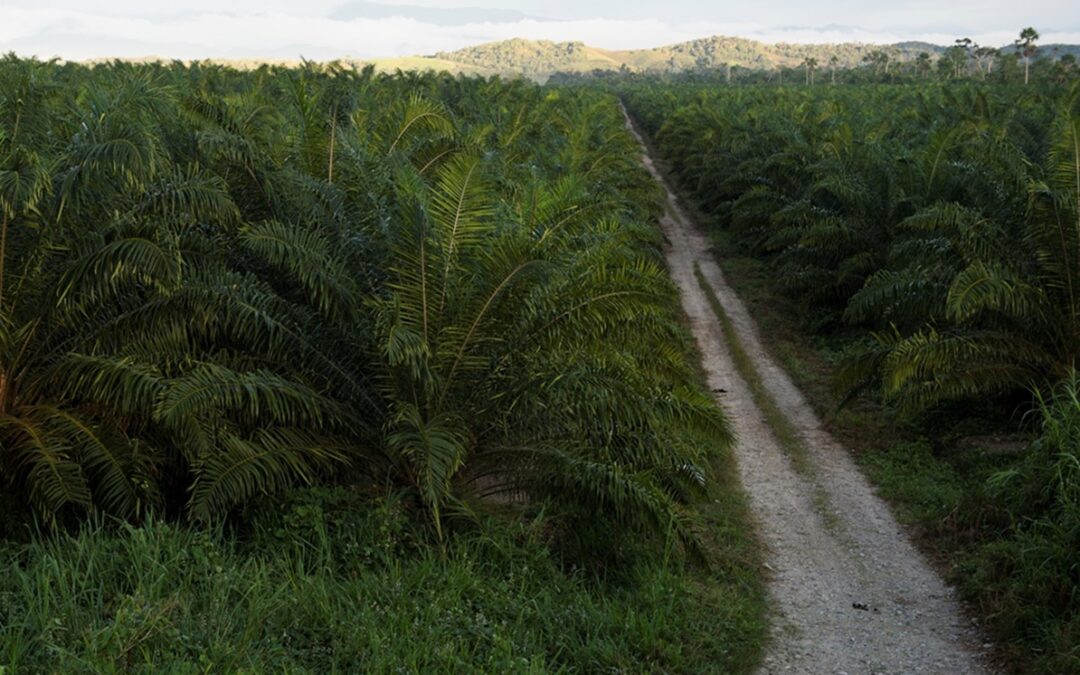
(833, 61)
(954, 59)
(810, 63)
(869, 59)
(1008, 64)
(923, 64)
(879, 59)
(1025, 44)
(1064, 70)
(944, 66)
(984, 59)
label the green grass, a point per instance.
(326, 583)
(909, 473)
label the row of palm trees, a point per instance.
(215, 284)
(942, 221)
(954, 61)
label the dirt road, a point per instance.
(850, 593)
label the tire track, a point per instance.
(850, 593)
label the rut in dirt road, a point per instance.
(850, 593)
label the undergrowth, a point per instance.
(327, 582)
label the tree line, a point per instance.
(1024, 61)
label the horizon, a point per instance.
(325, 30)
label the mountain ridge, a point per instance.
(540, 59)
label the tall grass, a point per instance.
(321, 585)
(1028, 581)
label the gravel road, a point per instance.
(849, 592)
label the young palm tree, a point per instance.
(66, 403)
(215, 285)
(1002, 307)
(504, 351)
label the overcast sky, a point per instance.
(326, 29)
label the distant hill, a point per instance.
(1057, 51)
(534, 57)
(539, 59)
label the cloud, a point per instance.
(274, 32)
(440, 16)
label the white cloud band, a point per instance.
(75, 34)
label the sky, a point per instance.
(329, 29)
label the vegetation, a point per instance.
(727, 60)
(322, 581)
(926, 236)
(240, 296)
(1008, 524)
(398, 355)
(542, 58)
(947, 231)
(1025, 44)
(217, 286)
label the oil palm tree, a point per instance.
(130, 379)
(1001, 306)
(502, 348)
